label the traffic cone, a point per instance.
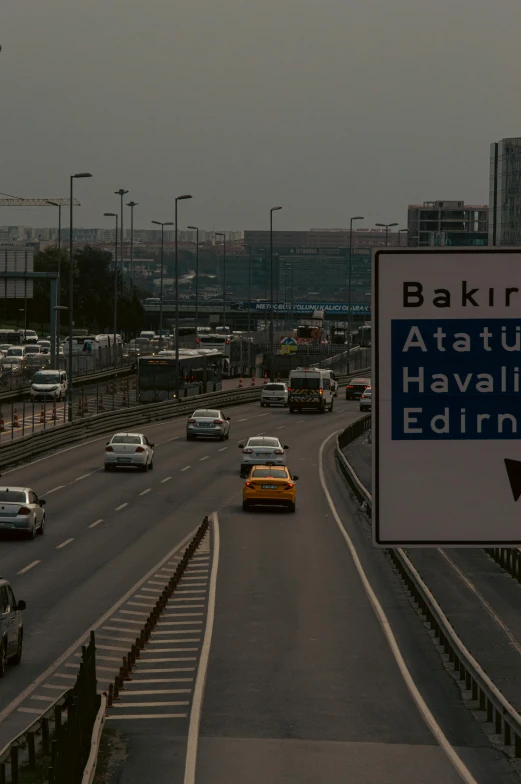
(2, 425)
(253, 381)
(42, 413)
(240, 383)
(53, 412)
(265, 378)
(15, 419)
(86, 406)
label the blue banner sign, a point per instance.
(330, 308)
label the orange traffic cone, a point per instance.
(42, 413)
(15, 419)
(2, 425)
(240, 383)
(253, 381)
(265, 378)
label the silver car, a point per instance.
(11, 627)
(125, 450)
(21, 511)
(274, 394)
(208, 423)
(260, 450)
(365, 400)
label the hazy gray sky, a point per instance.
(328, 107)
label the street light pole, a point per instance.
(158, 223)
(178, 198)
(57, 309)
(246, 245)
(114, 349)
(272, 210)
(349, 302)
(386, 226)
(121, 193)
(71, 284)
(196, 229)
(132, 204)
(223, 235)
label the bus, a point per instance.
(365, 336)
(198, 373)
(339, 336)
(234, 349)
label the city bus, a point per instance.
(234, 349)
(198, 373)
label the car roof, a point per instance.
(127, 434)
(17, 489)
(362, 378)
(263, 438)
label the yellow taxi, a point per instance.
(271, 485)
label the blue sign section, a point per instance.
(363, 309)
(456, 379)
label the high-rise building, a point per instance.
(447, 223)
(504, 226)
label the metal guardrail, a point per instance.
(28, 446)
(489, 699)
(90, 378)
(62, 750)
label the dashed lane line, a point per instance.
(139, 716)
(120, 507)
(28, 567)
(144, 492)
(166, 479)
(204, 458)
(222, 449)
(54, 490)
(64, 544)
(185, 468)
(95, 523)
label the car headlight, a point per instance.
(53, 389)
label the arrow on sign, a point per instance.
(514, 476)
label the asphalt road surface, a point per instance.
(301, 684)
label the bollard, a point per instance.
(15, 777)
(508, 734)
(126, 669)
(138, 646)
(45, 737)
(3, 777)
(31, 750)
(115, 691)
(110, 695)
(517, 745)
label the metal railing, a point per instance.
(63, 732)
(484, 692)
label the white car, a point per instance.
(209, 423)
(260, 450)
(49, 385)
(21, 511)
(274, 394)
(365, 400)
(334, 382)
(129, 449)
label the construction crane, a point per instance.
(12, 202)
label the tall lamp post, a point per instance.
(246, 245)
(73, 177)
(177, 198)
(196, 229)
(158, 223)
(57, 309)
(386, 226)
(132, 204)
(223, 235)
(272, 210)
(122, 192)
(349, 302)
(402, 231)
(114, 350)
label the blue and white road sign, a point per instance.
(447, 397)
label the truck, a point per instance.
(310, 329)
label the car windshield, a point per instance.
(126, 440)
(364, 381)
(32, 350)
(46, 378)
(205, 413)
(15, 352)
(305, 382)
(275, 387)
(272, 473)
(16, 496)
(263, 442)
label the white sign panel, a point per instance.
(16, 259)
(447, 397)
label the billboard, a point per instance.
(16, 259)
(329, 308)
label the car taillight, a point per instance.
(109, 449)
(140, 449)
(350, 386)
(288, 485)
(217, 421)
(278, 451)
(24, 511)
(247, 451)
(191, 421)
(289, 389)
(250, 484)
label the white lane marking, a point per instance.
(158, 680)
(56, 686)
(133, 612)
(197, 700)
(64, 544)
(149, 692)
(170, 439)
(176, 642)
(29, 710)
(139, 716)
(30, 566)
(54, 489)
(490, 610)
(95, 523)
(204, 458)
(191, 607)
(177, 659)
(111, 648)
(185, 468)
(148, 704)
(141, 670)
(261, 415)
(13, 705)
(83, 476)
(422, 706)
(243, 420)
(125, 620)
(66, 675)
(299, 422)
(120, 507)
(166, 479)
(280, 428)
(222, 449)
(115, 639)
(118, 629)
(144, 652)
(153, 582)
(181, 623)
(46, 698)
(144, 492)
(141, 604)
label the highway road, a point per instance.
(301, 683)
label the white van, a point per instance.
(334, 382)
(49, 385)
(310, 388)
(148, 334)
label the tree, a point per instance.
(131, 313)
